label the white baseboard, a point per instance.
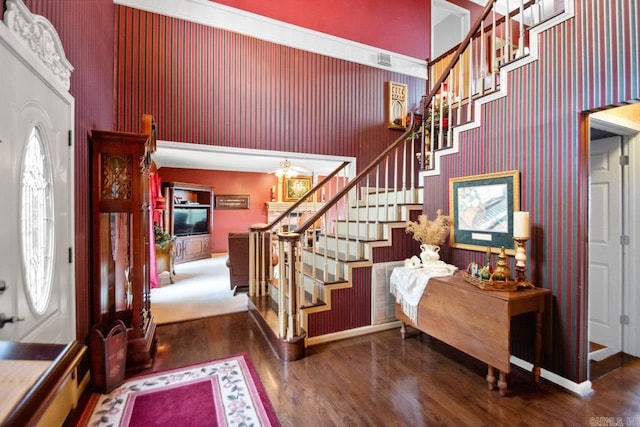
(582, 389)
(351, 333)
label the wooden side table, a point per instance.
(478, 322)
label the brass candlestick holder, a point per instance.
(521, 263)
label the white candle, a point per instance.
(521, 225)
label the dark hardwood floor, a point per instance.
(381, 380)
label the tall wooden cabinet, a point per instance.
(190, 219)
(121, 235)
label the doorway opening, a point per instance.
(614, 152)
(451, 23)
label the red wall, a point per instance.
(390, 25)
(208, 86)
(256, 185)
(86, 32)
(541, 136)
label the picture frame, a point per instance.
(295, 188)
(482, 209)
(231, 201)
(396, 105)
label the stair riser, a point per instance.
(354, 249)
(381, 213)
(310, 298)
(372, 213)
(309, 285)
(333, 266)
(380, 198)
(360, 231)
(342, 232)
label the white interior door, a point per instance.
(605, 250)
(36, 216)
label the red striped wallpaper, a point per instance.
(86, 32)
(351, 307)
(536, 130)
(209, 86)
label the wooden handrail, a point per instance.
(456, 57)
(317, 263)
(353, 182)
(487, 28)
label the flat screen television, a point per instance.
(189, 221)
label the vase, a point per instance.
(429, 254)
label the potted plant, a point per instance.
(162, 239)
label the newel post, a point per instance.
(289, 329)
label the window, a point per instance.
(36, 222)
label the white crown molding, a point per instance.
(38, 34)
(227, 18)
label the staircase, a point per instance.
(328, 259)
(324, 284)
(503, 38)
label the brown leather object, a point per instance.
(238, 260)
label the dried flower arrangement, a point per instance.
(428, 232)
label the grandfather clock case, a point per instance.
(120, 237)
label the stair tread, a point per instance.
(343, 257)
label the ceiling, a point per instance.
(199, 156)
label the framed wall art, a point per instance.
(482, 209)
(396, 105)
(231, 201)
(294, 188)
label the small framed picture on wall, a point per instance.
(295, 188)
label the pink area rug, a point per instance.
(225, 392)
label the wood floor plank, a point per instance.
(382, 380)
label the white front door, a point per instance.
(36, 201)
(605, 249)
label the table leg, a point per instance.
(403, 330)
(502, 383)
(537, 346)
(491, 378)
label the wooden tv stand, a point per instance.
(477, 322)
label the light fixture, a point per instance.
(286, 170)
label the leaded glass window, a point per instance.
(36, 222)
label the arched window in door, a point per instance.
(36, 222)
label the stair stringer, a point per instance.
(352, 265)
(502, 91)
